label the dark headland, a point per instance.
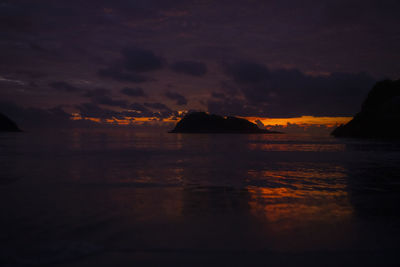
(7, 125)
(201, 122)
(379, 116)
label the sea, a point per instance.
(126, 197)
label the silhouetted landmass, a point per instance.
(7, 125)
(201, 122)
(379, 116)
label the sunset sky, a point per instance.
(127, 61)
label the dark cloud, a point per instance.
(64, 86)
(135, 61)
(134, 92)
(122, 75)
(190, 67)
(158, 106)
(289, 92)
(42, 118)
(218, 95)
(248, 72)
(139, 107)
(138, 110)
(179, 99)
(233, 106)
(33, 84)
(135, 110)
(92, 110)
(108, 101)
(32, 74)
(97, 92)
(141, 60)
(155, 110)
(35, 118)
(358, 12)
(102, 96)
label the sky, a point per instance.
(127, 61)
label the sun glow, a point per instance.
(123, 121)
(303, 121)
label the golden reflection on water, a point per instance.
(300, 198)
(298, 147)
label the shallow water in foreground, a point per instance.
(120, 198)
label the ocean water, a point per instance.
(119, 197)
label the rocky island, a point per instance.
(379, 116)
(7, 125)
(202, 122)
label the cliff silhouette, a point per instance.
(201, 122)
(7, 125)
(379, 116)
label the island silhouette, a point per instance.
(202, 122)
(7, 125)
(379, 116)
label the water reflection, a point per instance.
(299, 147)
(140, 190)
(294, 198)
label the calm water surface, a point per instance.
(122, 197)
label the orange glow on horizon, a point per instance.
(301, 121)
(122, 122)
